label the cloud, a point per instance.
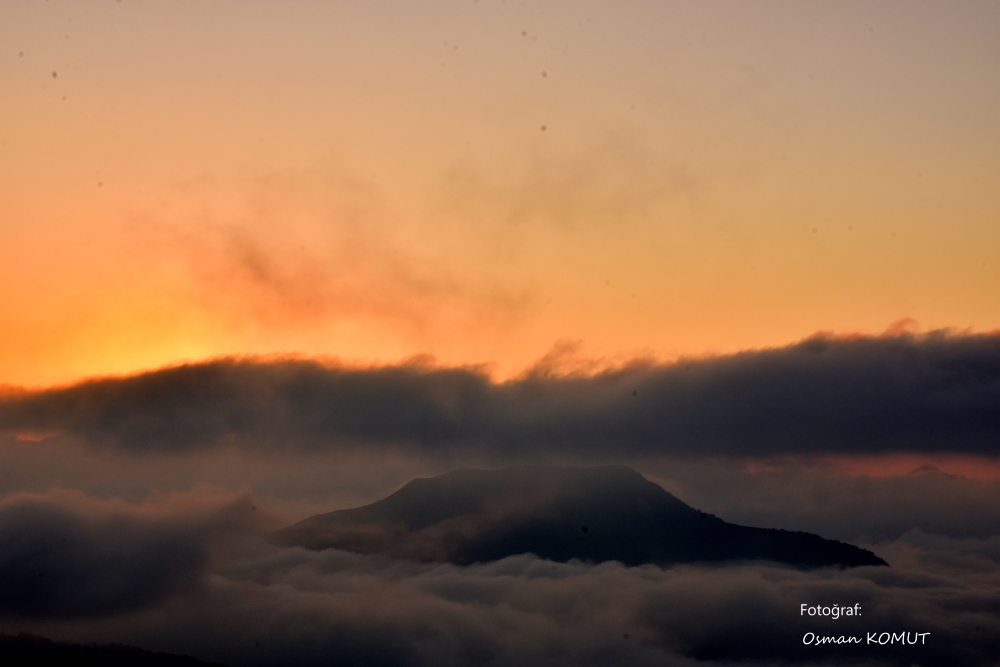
(938, 392)
(612, 183)
(163, 575)
(314, 247)
(291, 606)
(68, 555)
(819, 498)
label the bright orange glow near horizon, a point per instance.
(485, 182)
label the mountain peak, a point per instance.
(560, 513)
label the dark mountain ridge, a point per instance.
(25, 650)
(558, 513)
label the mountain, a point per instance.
(30, 650)
(558, 513)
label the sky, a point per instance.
(264, 260)
(483, 182)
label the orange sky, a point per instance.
(371, 181)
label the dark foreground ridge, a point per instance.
(558, 513)
(24, 650)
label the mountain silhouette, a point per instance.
(558, 513)
(30, 650)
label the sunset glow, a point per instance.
(714, 182)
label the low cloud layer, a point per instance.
(932, 393)
(71, 556)
(295, 607)
(192, 574)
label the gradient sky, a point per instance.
(748, 249)
(484, 180)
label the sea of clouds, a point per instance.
(137, 510)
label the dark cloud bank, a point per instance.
(932, 393)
